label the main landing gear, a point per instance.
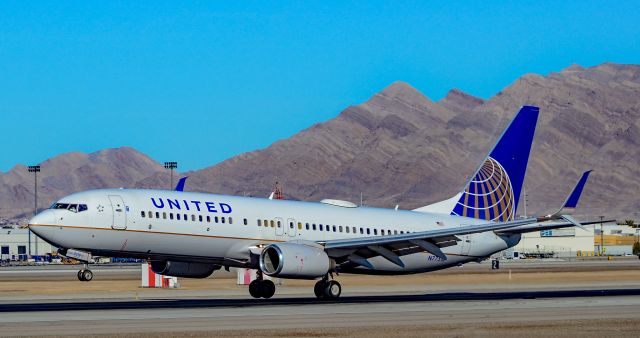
(85, 275)
(261, 288)
(327, 289)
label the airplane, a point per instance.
(191, 235)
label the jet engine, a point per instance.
(183, 269)
(292, 260)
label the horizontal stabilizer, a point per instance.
(573, 221)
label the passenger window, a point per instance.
(272, 224)
(299, 226)
(368, 231)
(259, 223)
(320, 227)
(142, 214)
(346, 228)
(178, 217)
(334, 228)
(314, 226)
(375, 232)
(230, 220)
(170, 215)
(208, 219)
(199, 218)
(216, 219)
(340, 228)
(185, 218)
(395, 232)
(164, 215)
(290, 225)
(382, 232)
(245, 221)
(157, 214)
(361, 231)
(307, 225)
(150, 214)
(279, 224)
(354, 230)
(222, 220)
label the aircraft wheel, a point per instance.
(87, 275)
(318, 289)
(254, 288)
(332, 290)
(268, 288)
(80, 275)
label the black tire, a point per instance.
(318, 289)
(254, 289)
(332, 290)
(80, 274)
(87, 275)
(268, 288)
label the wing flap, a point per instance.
(359, 249)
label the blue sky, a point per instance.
(200, 81)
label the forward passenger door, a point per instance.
(119, 215)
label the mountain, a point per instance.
(400, 147)
(73, 172)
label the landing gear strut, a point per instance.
(327, 289)
(85, 275)
(261, 288)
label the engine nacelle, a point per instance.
(291, 260)
(183, 269)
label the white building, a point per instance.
(568, 242)
(14, 244)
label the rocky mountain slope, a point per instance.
(402, 148)
(72, 172)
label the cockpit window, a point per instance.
(70, 207)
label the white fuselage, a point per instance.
(221, 229)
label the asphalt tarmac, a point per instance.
(353, 316)
(553, 299)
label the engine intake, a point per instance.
(291, 260)
(183, 269)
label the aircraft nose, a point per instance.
(46, 217)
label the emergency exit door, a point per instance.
(119, 214)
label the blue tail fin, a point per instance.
(493, 192)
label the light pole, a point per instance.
(35, 169)
(171, 166)
(601, 236)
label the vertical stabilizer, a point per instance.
(493, 192)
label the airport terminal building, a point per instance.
(559, 243)
(14, 245)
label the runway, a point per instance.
(566, 313)
(587, 298)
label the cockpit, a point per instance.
(70, 206)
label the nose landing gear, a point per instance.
(85, 275)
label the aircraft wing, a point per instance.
(545, 226)
(357, 250)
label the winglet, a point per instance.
(572, 199)
(180, 185)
